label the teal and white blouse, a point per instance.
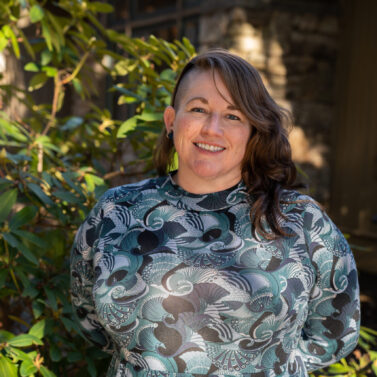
(174, 284)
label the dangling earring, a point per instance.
(170, 135)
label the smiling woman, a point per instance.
(210, 134)
(219, 268)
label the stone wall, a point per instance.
(296, 52)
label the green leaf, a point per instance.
(26, 44)
(12, 129)
(38, 308)
(5, 336)
(58, 29)
(92, 181)
(97, 6)
(46, 372)
(55, 353)
(3, 41)
(91, 367)
(7, 368)
(364, 330)
(46, 34)
(46, 57)
(50, 71)
(68, 196)
(125, 66)
(32, 237)
(77, 85)
(14, 242)
(30, 291)
(146, 116)
(31, 67)
(188, 45)
(40, 194)
(51, 298)
(339, 368)
(3, 276)
(168, 75)
(38, 329)
(36, 13)
(72, 123)
(372, 355)
(7, 201)
(18, 354)
(22, 217)
(24, 340)
(74, 356)
(127, 126)
(27, 368)
(125, 99)
(374, 367)
(37, 81)
(68, 324)
(71, 179)
(8, 32)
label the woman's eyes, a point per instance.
(203, 111)
(233, 117)
(198, 110)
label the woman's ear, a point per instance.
(169, 117)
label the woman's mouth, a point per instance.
(208, 147)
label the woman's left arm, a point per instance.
(332, 327)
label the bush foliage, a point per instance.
(54, 166)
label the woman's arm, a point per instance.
(82, 278)
(332, 327)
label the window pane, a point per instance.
(120, 15)
(191, 3)
(145, 8)
(167, 31)
(190, 30)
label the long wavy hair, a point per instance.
(267, 167)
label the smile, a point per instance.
(211, 148)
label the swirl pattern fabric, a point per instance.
(175, 284)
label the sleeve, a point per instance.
(331, 329)
(82, 278)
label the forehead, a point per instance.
(200, 78)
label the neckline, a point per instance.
(215, 201)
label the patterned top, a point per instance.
(176, 285)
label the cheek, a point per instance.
(184, 131)
(240, 139)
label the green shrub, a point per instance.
(54, 166)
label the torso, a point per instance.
(183, 287)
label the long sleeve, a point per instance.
(332, 327)
(82, 276)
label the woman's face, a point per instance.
(210, 134)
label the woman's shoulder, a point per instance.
(297, 202)
(130, 190)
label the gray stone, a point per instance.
(329, 25)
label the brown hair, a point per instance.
(267, 167)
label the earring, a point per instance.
(170, 135)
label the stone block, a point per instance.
(329, 25)
(305, 22)
(212, 28)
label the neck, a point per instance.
(204, 185)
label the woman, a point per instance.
(219, 268)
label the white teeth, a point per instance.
(208, 147)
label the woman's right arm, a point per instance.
(82, 278)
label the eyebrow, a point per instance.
(205, 101)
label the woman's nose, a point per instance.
(213, 124)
